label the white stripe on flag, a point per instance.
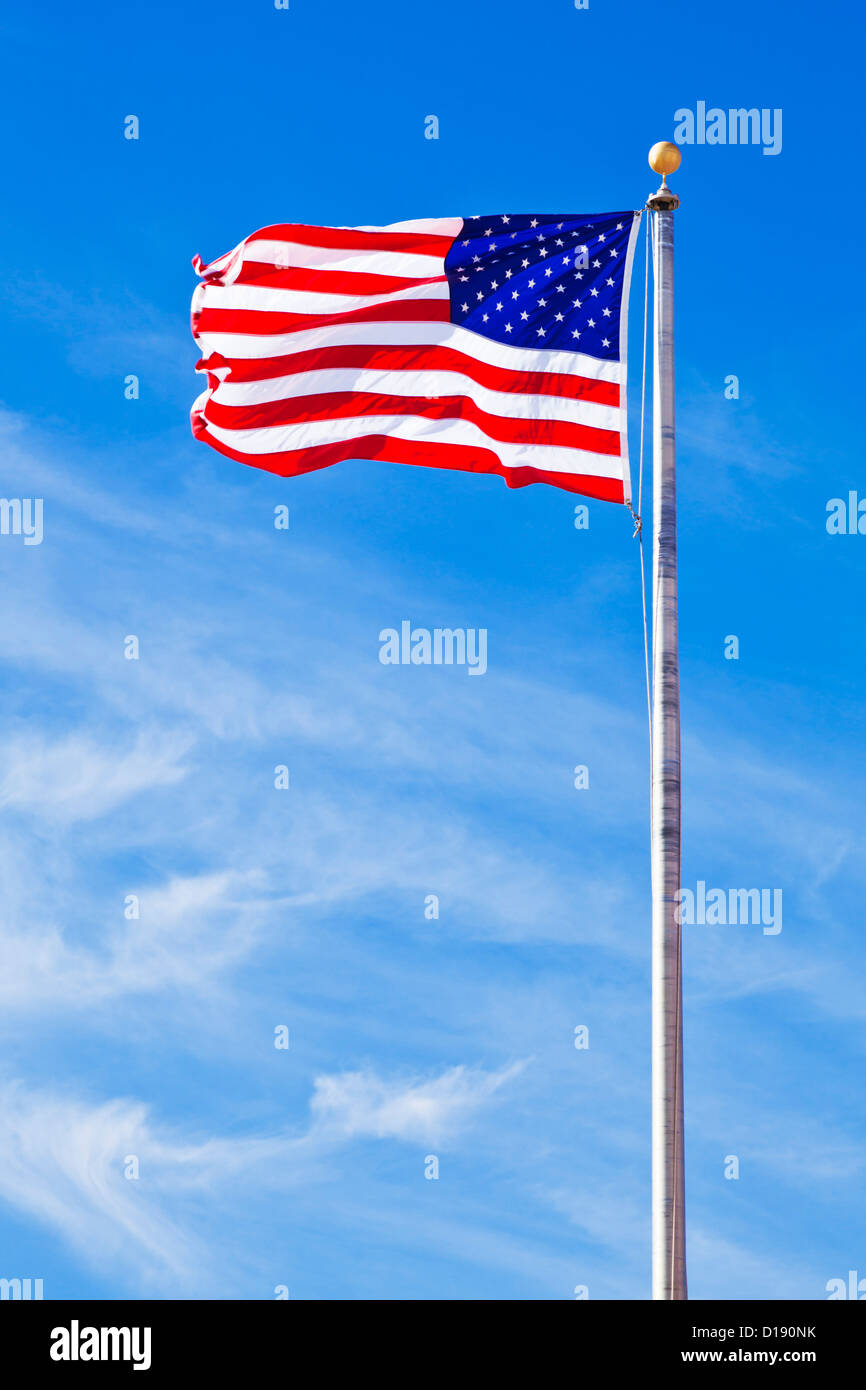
(254, 345)
(413, 265)
(266, 299)
(432, 384)
(272, 439)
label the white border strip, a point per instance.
(623, 353)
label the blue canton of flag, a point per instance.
(543, 281)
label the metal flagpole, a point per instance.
(668, 1188)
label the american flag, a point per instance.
(489, 344)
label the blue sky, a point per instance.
(305, 908)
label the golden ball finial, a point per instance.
(665, 158)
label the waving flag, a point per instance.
(489, 344)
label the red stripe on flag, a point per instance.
(346, 405)
(316, 281)
(353, 239)
(261, 322)
(388, 449)
(421, 358)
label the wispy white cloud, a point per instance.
(63, 1164)
(178, 946)
(125, 1193)
(73, 778)
(361, 1104)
